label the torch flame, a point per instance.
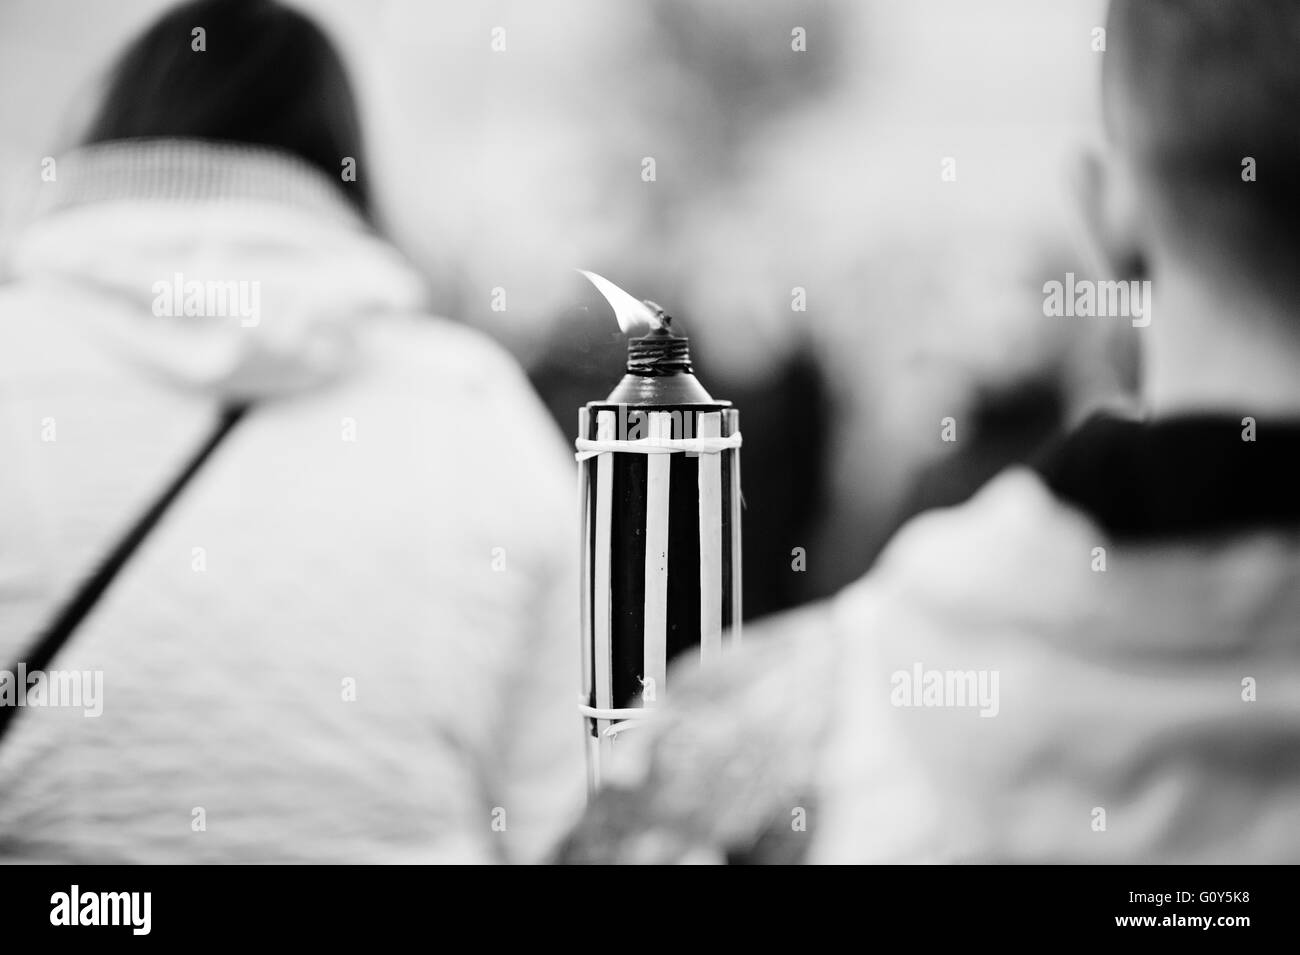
(630, 313)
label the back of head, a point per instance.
(266, 76)
(1203, 98)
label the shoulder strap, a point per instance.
(41, 652)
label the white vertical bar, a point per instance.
(601, 624)
(737, 578)
(710, 426)
(584, 597)
(658, 472)
(593, 763)
(584, 567)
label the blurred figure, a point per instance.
(1093, 660)
(350, 637)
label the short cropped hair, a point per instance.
(1195, 90)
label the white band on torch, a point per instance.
(622, 713)
(617, 720)
(587, 448)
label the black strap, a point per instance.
(41, 652)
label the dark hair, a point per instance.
(268, 77)
(1193, 88)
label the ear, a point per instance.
(1105, 201)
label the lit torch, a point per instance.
(659, 481)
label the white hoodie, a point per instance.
(350, 638)
(1142, 705)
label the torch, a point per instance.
(659, 499)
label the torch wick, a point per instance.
(663, 317)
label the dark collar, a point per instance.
(1178, 476)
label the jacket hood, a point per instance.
(238, 271)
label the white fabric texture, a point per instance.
(390, 521)
(1123, 730)
(1119, 691)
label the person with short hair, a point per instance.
(1094, 659)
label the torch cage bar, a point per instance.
(717, 439)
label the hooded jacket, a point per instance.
(1095, 660)
(350, 638)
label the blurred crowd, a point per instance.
(845, 285)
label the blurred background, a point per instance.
(783, 177)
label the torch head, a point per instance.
(659, 370)
(659, 362)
